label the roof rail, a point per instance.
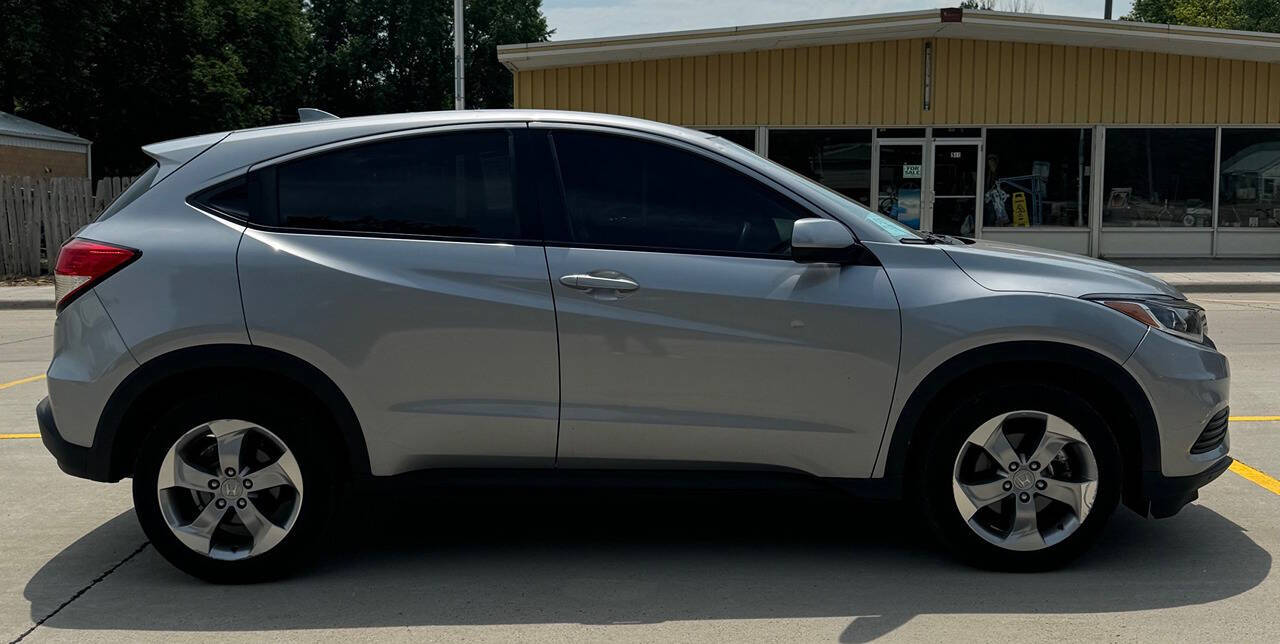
(308, 114)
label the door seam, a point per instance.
(555, 316)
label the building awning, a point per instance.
(973, 24)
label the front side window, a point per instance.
(622, 191)
(451, 185)
(1158, 177)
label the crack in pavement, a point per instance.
(40, 622)
(38, 337)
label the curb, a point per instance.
(25, 305)
(1227, 287)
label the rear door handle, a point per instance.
(586, 282)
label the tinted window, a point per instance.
(454, 185)
(135, 190)
(1249, 186)
(1158, 177)
(621, 191)
(231, 198)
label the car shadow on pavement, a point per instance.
(626, 557)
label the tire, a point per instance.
(958, 477)
(275, 442)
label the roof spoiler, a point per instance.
(171, 155)
(309, 114)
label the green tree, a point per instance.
(491, 23)
(1245, 15)
(124, 73)
(371, 56)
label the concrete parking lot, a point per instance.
(500, 566)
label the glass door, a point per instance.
(955, 188)
(899, 181)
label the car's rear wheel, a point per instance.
(1021, 477)
(233, 489)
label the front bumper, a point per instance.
(1167, 494)
(73, 459)
(1188, 386)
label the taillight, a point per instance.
(83, 263)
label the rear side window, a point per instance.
(623, 191)
(452, 185)
(135, 190)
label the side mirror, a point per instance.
(817, 240)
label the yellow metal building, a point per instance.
(1002, 126)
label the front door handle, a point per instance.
(586, 282)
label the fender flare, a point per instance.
(1106, 372)
(113, 441)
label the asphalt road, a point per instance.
(548, 566)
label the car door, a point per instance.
(688, 337)
(406, 269)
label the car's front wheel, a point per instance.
(230, 490)
(1021, 477)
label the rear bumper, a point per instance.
(73, 459)
(1166, 495)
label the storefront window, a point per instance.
(1037, 177)
(745, 138)
(838, 159)
(1249, 188)
(1158, 177)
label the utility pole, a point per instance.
(459, 84)
(1107, 13)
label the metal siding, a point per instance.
(812, 111)
(978, 113)
(826, 65)
(839, 60)
(881, 83)
(726, 83)
(915, 82)
(851, 94)
(1017, 106)
(688, 91)
(1002, 59)
(661, 82)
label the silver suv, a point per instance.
(269, 317)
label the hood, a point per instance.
(1013, 267)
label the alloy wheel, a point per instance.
(230, 489)
(1025, 480)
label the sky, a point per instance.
(592, 18)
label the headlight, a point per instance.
(1173, 316)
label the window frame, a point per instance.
(264, 213)
(556, 213)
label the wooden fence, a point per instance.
(38, 214)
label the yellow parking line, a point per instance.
(8, 436)
(21, 381)
(1263, 481)
(1254, 419)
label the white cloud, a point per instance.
(592, 18)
